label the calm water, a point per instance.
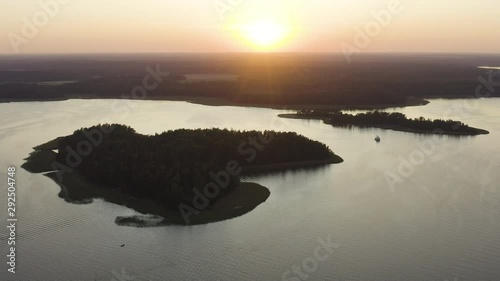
(440, 221)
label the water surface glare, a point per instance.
(441, 222)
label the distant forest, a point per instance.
(247, 90)
(167, 167)
(264, 79)
(395, 120)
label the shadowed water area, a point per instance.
(440, 220)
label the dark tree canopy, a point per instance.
(395, 120)
(167, 167)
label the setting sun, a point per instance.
(265, 34)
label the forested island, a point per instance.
(184, 176)
(395, 121)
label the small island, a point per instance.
(393, 121)
(177, 177)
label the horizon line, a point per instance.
(234, 52)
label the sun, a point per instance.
(265, 34)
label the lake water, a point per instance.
(440, 220)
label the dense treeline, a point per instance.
(267, 79)
(395, 120)
(245, 91)
(168, 166)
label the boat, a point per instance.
(377, 139)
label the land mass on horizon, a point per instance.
(297, 81)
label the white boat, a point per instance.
(377, 139)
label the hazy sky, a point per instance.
(198, 26)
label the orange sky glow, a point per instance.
(130, 26)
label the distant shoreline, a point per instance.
(224, 102)
(408, 130)
(398, 128)
(291, 165)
